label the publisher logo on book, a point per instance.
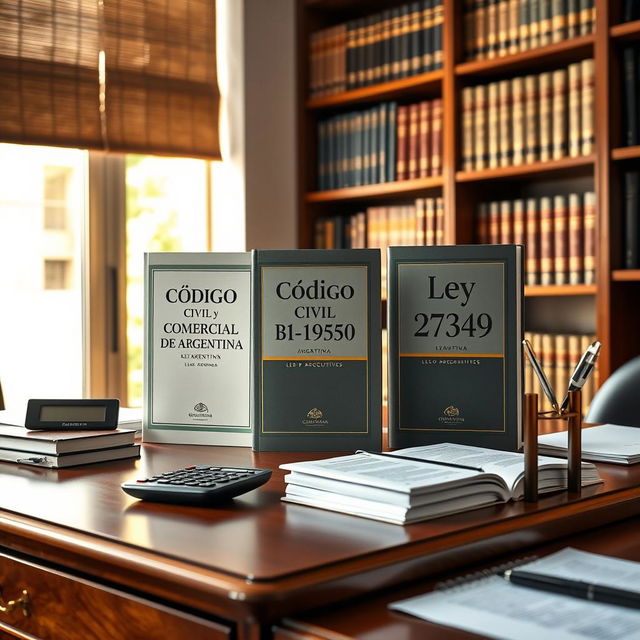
(314, 417)
(201, 411)
(451, 415)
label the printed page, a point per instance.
(391, 473)
(497, 609)
(606, 440)
(590, 567)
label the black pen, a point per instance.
(583, 370)
(574, 588)
(443, 464)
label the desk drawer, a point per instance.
(63, 607)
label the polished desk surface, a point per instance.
(371, 619)
(259, 558)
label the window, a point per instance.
(56, 187)
(57, 274)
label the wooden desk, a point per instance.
(371, 619)
(99, 564)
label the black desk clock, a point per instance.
(68, 415)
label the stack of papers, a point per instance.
(606, 443)
(433, 483)
(496, 608)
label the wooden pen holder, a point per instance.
(573, 416)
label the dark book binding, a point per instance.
(455, 318)
(317, 351)
(631, 205)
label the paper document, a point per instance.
(498, 609)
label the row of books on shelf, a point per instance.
(386, 143)
(496, 28)
(631, 94)
(559, 233)
(529, 119)
(392, 44)
(420, 223)
(631, 226)
(558, 354)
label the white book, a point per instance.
(495, 608)
(38, 459)
(605, 443)
(197, 348)
(426, 482)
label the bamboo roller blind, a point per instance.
(118, 75)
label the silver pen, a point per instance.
(582, 371)
(542, 378)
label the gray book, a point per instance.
(455, 356)
(317, 350)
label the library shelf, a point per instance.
(626, 31)
(557, 53)
(423, 83)
(626, 153)
(381, 190)
(626, 275)
(524, 170)
(540, 290)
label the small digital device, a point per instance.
(197, 485)
(71, 415)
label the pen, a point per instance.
(439, 462)
(542, 378)
(574, 588)
(583, 370)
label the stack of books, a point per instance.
(60, 449)
(382, 144)
(558, 354)
(559, 233)
(529, 119)
(393, 44)
(420, 483)
(419, 223)
(495, 28)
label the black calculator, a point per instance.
(197, 485)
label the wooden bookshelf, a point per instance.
(617, 313)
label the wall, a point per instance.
(255, 188)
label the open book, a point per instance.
(495, 608)
(401, 491)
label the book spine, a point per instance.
(384, 228)
(503, 27)
(439, 221)
(494, 117)
(545, 107)
(524, 18)
(576, 235)
(438, 26)
(467, 128)
(494, 223)
(374, 169)
(546, 22)
(358, 139)
(575, 130)
(436, 137)
(589, 237)
(506, 222)
(546, 241)
(430, 222)
(531, 128)
(480, 133)
(561, 349)
(352, 73)
(560, 240)
(342, 59)
(424, 142)
(383, 124)
(421, 221)
(514, 26)
(402, 150)
(362, 230)
(534, 24)
(415, 33)
(469, 30)
(631, 226)
(360, 53)
(405, 30)
(587, 103)
(492, 28)
(505, 116)
(385, 45)
(559, 111)
(367, 141)
(428, 63)
(573, 18)
(533, 242)
(587, 16)
(519, 230)
(558, 20)
(482, 223)
(412, 166)
(322, 156)
(392, 149)
(396, 24)
(630, 95)
(518, 112)
(481, 28)
(370, 49)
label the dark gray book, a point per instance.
(317, 350)
(455, 355)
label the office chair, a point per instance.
(618, 400)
